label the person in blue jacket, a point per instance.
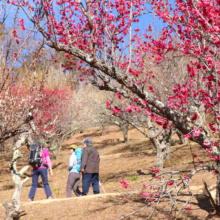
(74, 171)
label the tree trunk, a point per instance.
(13, 209)
(58, 151)
(182, 140)
(166, 151)
(159, 159)
(103, 129)
(124, 129)
(2, 146)
(218, 187)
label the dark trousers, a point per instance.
(89, 178)
(73, 184)
(36, 173)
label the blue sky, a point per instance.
(145, 20)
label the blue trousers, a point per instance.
(36, 173)
(87, 179)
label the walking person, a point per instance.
(42, 171)
(90, 167)
(74, 175)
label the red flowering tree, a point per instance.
(50, 116)
(56, 118)
(96, 33)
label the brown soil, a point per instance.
(128, 161)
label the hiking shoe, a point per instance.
(50, 197)
(29, 200)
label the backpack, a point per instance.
(35, 159)
(78, 153)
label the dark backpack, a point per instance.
(35, 158)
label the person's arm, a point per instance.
(47, 158)
(72, 162)
(84, 160)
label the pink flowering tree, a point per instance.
(20, 94)
(56, 117)
(104, 37)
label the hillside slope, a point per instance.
(131, 162)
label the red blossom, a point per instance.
(187, 136)
(17, 40)
(155, 170)
(194, 116)
(124, 184)
(108, 104)
(170, 183)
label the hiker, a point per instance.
(74, 169)
(41, 170)
(90, 167)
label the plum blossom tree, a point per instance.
(56, 117)
(19, 92)
(102, 35)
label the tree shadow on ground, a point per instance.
(21, 214)
(136, 147)
(111, 176)
(139, 172)
(7, 187)
(57, 165)
(204, 203)
(179, 148)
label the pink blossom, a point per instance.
(196, 133)
(186, 177)
(194, 116)
(145, 194)
(118, 95)
(108, 103)
(155, 170)
(189, 208)
(21, 21)
(151, 88)
(170, 183)
(216, 158)
(209, 151)
(151, 200)
(17, 40)
(146, 186)
(207, 143)
(116, 110)
(187, 136)
(138, 111)
(15, 54)
(194, 155)
(127, 200)
(124, 184)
